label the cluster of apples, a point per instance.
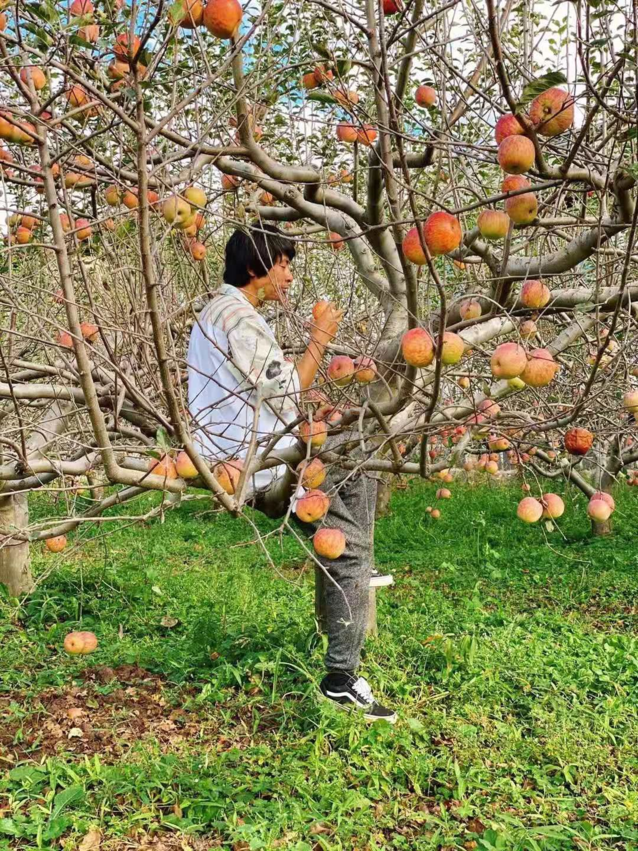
(536, 368)
(321, 76)
(485, 463)
(220, 17)
(418, 348)
(90, 332)
(364, 134)
(328, 542)
(551, 113)
(21, 229)
(185, 213)
(550, 507)
(80, 643)
(227, 473)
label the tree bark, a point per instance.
(599, 528)
(384, 493)
(15, 569)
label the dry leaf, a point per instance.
(74, 712)
(169, 621)
(91, 842)
(75, 733)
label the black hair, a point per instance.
(255, 250)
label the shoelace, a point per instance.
(362, 688)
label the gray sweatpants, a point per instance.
(353, 497)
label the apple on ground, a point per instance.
(80, 643)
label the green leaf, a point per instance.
(321, 97)
(176, 12)
(415, 725)
(538, 86)
(78, 41)
(343, 66)
(162, 438)
(68, 796)
(7, 825)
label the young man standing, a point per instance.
(242, 390)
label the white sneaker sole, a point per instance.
(381, 581)
(351, 707)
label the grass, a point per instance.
(510, 652)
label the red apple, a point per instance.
(508, 360)
(516, 154)
(552, 112)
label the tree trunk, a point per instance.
(601, 527)
(15, 571)
(384, 492)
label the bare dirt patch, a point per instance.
(83, 720)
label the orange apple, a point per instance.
(417, 347)
(529, 510)
(222, 17)
(56, 544)
(329, 543)
(312, 506)
(425, 96)
(185, 467)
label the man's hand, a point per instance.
(326, 323)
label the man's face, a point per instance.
(276, 283)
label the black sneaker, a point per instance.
(352, 694)
(380, 580)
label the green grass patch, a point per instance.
(509, 651)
